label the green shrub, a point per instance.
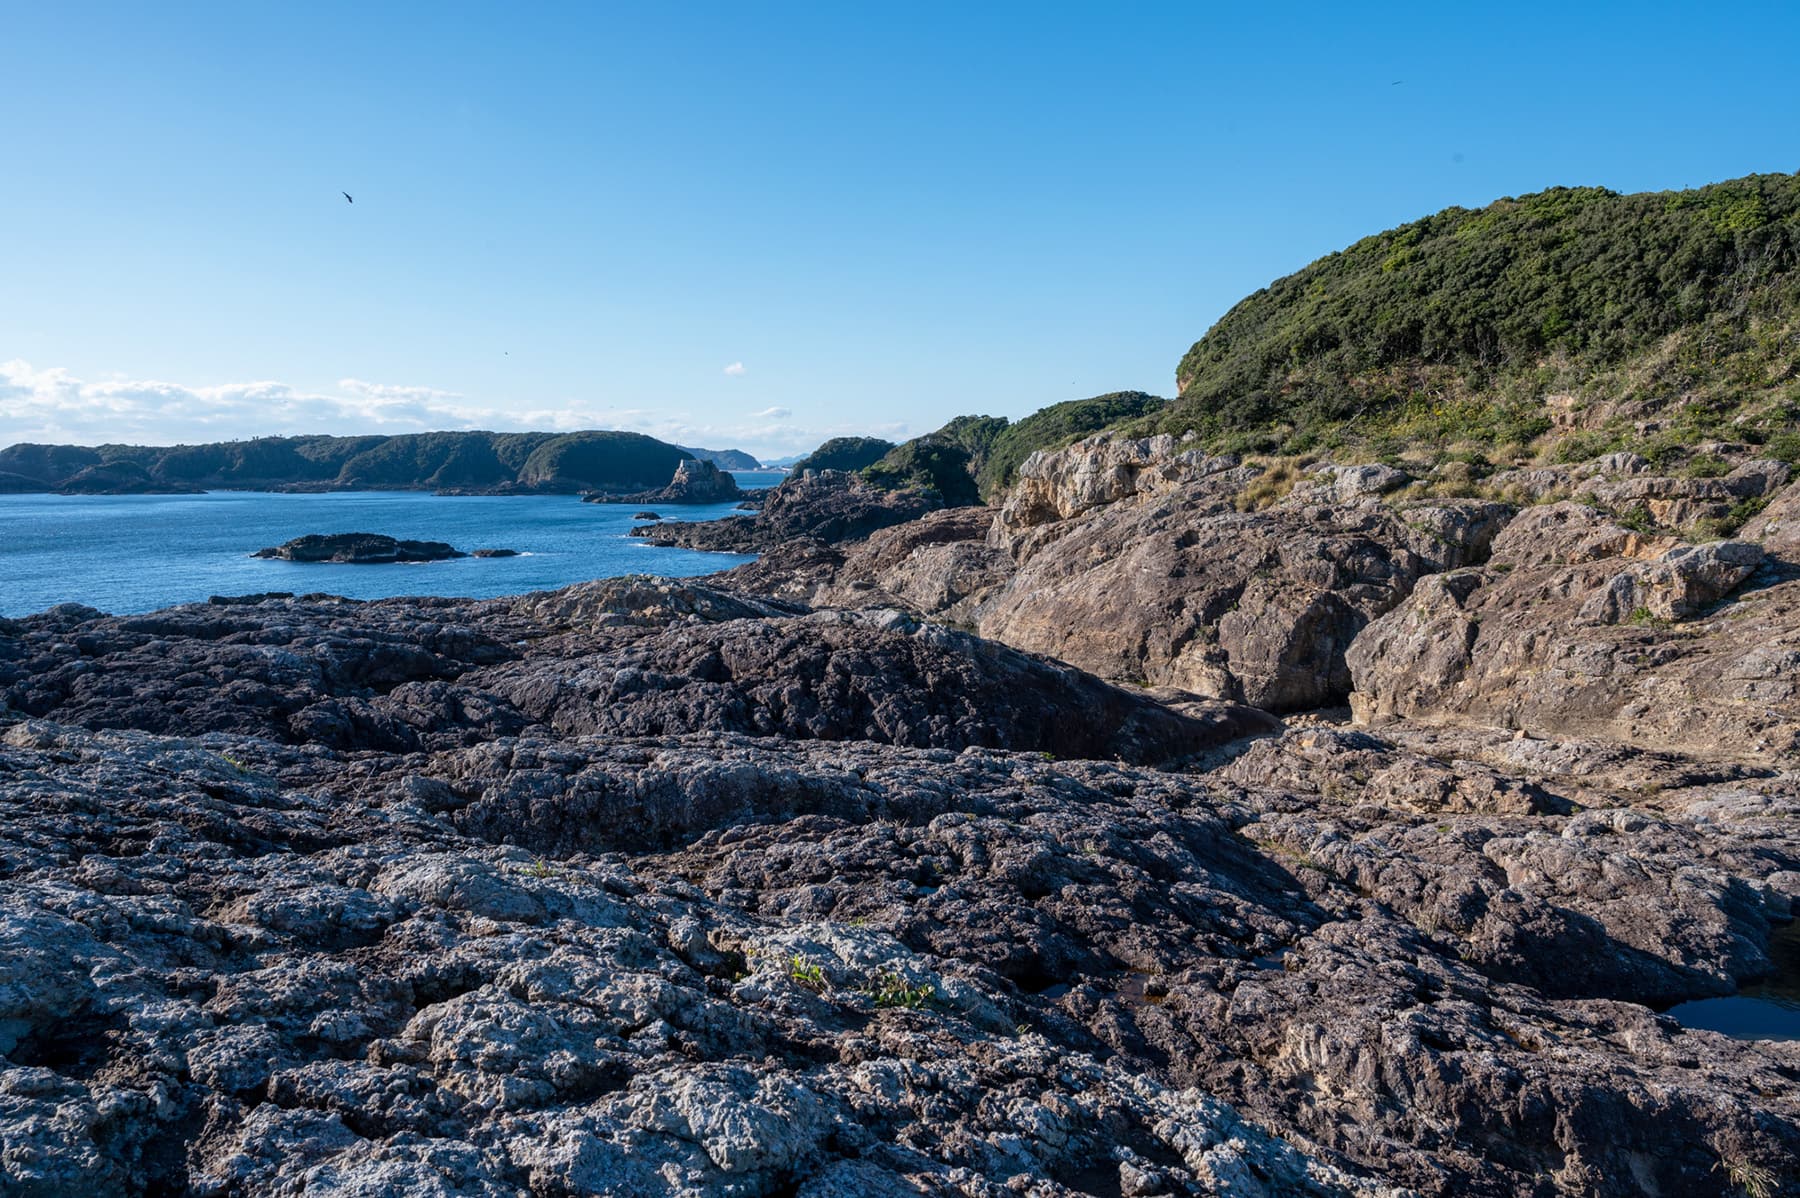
(1056, 426)
(804, 973)
(889, 989)
(844, 453)
(1460, 323)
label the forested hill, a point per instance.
(463, 461)
(1681, 304)
(977, 457)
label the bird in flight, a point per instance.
(347, 198)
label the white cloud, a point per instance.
(390, 391)
(736, 370)
(50, 404)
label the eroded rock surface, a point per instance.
(821, 505)
(631, 656)
(1132, 559)
(554, 964)
(1579, 626)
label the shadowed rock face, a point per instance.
(627, 657)
(855, 676)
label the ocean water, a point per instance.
(136, 553)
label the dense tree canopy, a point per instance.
(1057, 425)
(844, 453)
(1567, 287)
(467, 460)
(975, 457)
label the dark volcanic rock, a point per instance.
(839, 964)
(362, 548)
(645, 887)
(827, 505)
(495, 553)
(286, 669)
(855, 676)
(624, 656)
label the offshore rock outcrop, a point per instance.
(361, 548)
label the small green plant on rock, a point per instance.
(1638, 519)
(889, 989)
(1706, 465)
(1718, 528)
(804, 973)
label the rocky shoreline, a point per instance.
(1160, 830)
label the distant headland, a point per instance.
(463, 462)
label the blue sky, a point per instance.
(758, 225)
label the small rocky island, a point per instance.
(368, 548)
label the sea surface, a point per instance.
(136, 553)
